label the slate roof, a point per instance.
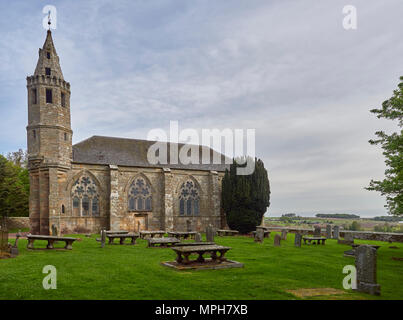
(133, 153)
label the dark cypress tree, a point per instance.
(245, 198)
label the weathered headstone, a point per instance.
(298, 239)
(54, 230)
(336, 230)
(198, 237)
(103, 238)
(277, 240)
(209, 234)
(188, 226)
(283, 234)
(14, 249)
(316, 231)
(328, 231)
(259, 235)
(365, 263)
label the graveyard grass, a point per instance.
(134, 272)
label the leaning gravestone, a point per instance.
(336, 230)
(297, 241)
(316, 231)
(209, 234)
(103, 238)
(365, 263)
(198, 237)
(283, 234)
(277, 240)
(259, 235)
(328, 231)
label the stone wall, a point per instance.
(17, 222)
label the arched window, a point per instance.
(63, 208)
(189, 200)
(84, 193)
(140, 197)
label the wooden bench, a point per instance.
(51, 240)
(152, 234)
(182, 234)
(183, 253)
(122, 237)
(223, 233)
(162, 242)
(314, 240)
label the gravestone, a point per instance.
(54, 230)
(259, 235)
(103, 238)
(198, 237)
(297, 240)
(209, 234)
(365, 263)
(316, 231)
(188, 226)
(348, 239)
(277, 240)
(283, 234)
(328, 231)
(336, 230)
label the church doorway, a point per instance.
(140, 222)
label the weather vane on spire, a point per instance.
(49, 20)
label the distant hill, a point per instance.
(388, 218)
(337, 215)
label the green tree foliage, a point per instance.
(337, 215)
(14, 189)
(392, 185)
(245, 198)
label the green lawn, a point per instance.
(134, 272)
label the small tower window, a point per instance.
(63, 210)
(63, 99)
(47, 71)
(34, 133)
(34, 96)
(48, 55)
(65, 136)
(49, 96)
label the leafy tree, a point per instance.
(392, 185)
(245, 198)
(14, 189)
(18, 158)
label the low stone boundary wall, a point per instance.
(359, 235)
(17, 222)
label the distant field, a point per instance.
(308, 222)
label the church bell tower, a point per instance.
(49, 137)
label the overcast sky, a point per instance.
(285, 68)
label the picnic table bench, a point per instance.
(51, 240)
(314, 240)
(189, 244)
(122, 237)
(162, 242)
(183, 253)
(152, 234)
(182, 234)
(222, 233)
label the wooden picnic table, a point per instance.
(152, 234)
(163, 242)
(182, 234)
(314, 240)
(183, 253)
(223, 232)
(51, 240)
(122, 237)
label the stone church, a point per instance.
(104, 182)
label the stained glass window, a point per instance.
(140, 197)
(86, 205)
(189, 200)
